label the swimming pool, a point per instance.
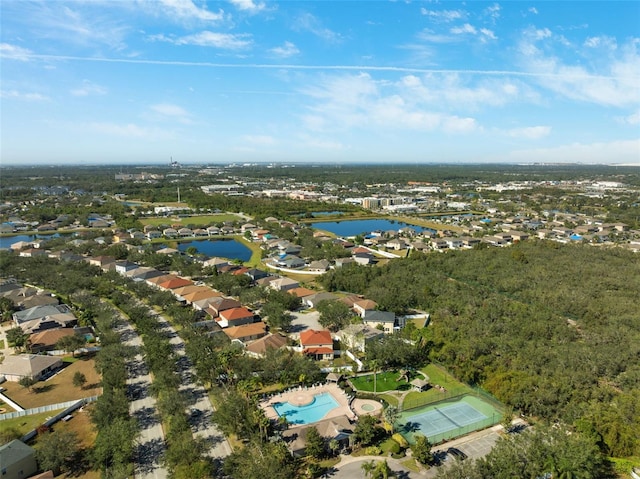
(309, 413)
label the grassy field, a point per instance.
(19, 426)
(385, 381)
(437, 376)
(204, 220)
(59, 388)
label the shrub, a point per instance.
(373, 451)
(399, 438)
(390, 446)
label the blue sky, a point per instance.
(140, 81)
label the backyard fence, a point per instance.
(47, 408)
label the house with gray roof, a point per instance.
(17, 460)
(35, 366)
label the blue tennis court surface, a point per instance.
(440, 419)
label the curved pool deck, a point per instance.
(303, 396)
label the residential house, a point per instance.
(173, 283)
(283, 284)
(256, 274)
(213, 231)
(363, 305)
(259, 347)
(301, 292)
(519, 236)
(290, 261)
(335, 428)
(221, 303)
(206, 293)
(167, 251)
(246, 332)
(216, 262)
(340, 262)
(357, 336)
(123, 266)
(32, 252)
(383, 320)
(153, 234)
(495, 240)
(235, 317)
(46, 340)
(170, 233)
(17, 460)
(36, 366)
(364, 258)
(44, 317)
(396, 244)
(317, 344)
(319, 266)
(313, 300)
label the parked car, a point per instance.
(457, 453)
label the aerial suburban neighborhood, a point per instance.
(309, 322)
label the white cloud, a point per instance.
(493, 11)
(621, 151)
(186, 10)
(249, 5)
(310, 23)
(27, 96)
(609, 80)
(466, 28)
(88, 88)
(533, 10)
(171, 112)
(444, 15)
(530, 133)
(286, 50)
(601, 42)
(488, 33)
(206, 38)
(360, 102)
(633, 119)
(14, 52)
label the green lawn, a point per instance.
(384, 381)
(19, 426)
(204, 220)
(437, 376)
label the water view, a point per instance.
(356, 227)
(231, 249)
(7, 241)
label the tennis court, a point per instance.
(448, 419)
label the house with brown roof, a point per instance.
(174, 283)
(259, 347)
(46, 340)
(235, 317)
(301, 292)
(338, 428)
(246, 332)
(206, 293)
(317, 344)
(221, 303)
(362, 306)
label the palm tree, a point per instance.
(391, 415)
(368, 468)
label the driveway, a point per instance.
(474, 445)
(302, 320)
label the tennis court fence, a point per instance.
(461, 431)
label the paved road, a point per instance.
(150, 446)
(475, 445)
(200, 407)
(303, 320)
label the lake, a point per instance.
(230, 249)
(356, 227)
(7, 241)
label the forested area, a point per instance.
(552, 330)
